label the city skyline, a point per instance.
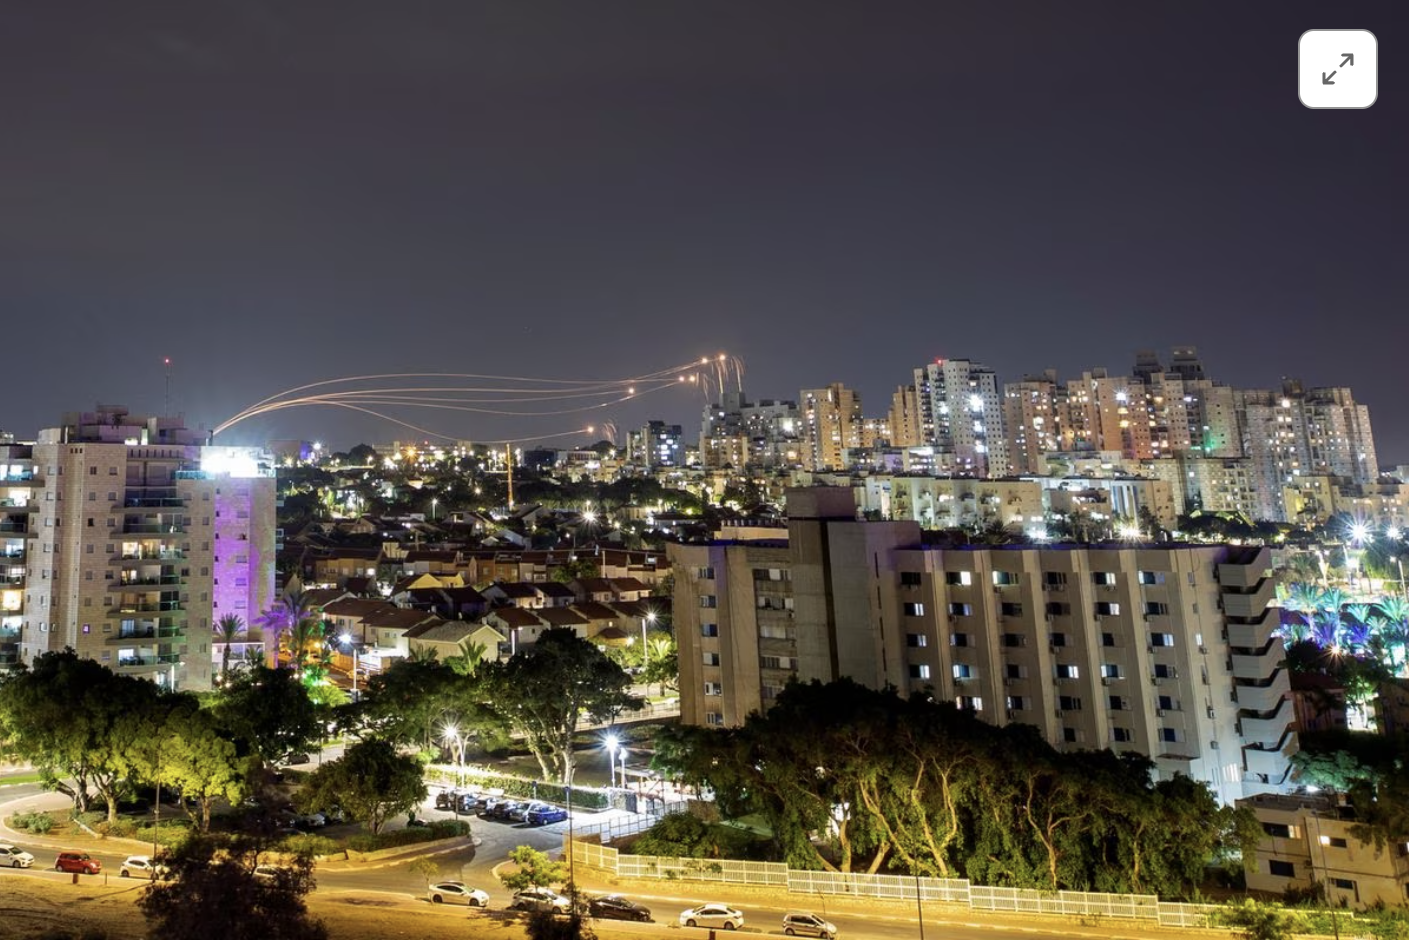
(271, 196)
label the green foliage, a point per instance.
(1256, 921)
(534, 869)
(371, 781)
(1337, 771)
(546, 925)
(210, 875)
(439, 829)
(681, 835)
(926, 788)
(38, 823)
(662, 662)
(413, 701)
(267, 712)
(427, 868)
(546, 688)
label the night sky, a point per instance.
(274, 193)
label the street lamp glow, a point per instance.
(345, 639)
(1394, 532)
(1359, 531)
(612, 744)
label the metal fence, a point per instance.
(1138, 907)
(894, 887)
(723, 871)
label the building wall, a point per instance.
(122, 566)
(1164, 651)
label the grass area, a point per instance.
(16, 779)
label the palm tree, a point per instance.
(308, 651)
(469, 659)
(1329, 604)
(1303, 599)
(227, 629)
(1395, 632)
(288, 611)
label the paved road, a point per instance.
(389, 883)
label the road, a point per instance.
(389, 885)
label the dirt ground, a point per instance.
(30, 907)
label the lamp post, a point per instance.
(612, 745)
(1324, 841)
(649, 619)
(346, 640)
(434, 500)
(452, 736)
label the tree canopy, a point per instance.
(926, 788)
(371, 782)
(549, 686)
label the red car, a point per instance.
(80, 862)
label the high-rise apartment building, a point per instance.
(1166, 651)
(656, 446)
(961, 415)
(137, 537)
(832, 425)
(739, 433)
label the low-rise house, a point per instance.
(1307, 842)
(450, 638)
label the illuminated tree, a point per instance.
(227, 629)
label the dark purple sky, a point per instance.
(274, 193)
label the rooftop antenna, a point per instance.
(509, 459)
(166, 408)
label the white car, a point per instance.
(456, 892)
(267, 873)
(143, 867)
(712, 915)
(15, 857)
(808, 924)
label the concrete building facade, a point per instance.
(140, 538)
(1167, 651)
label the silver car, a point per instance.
(808, 924)
(142, 866)
(712, 915)
(541, 899)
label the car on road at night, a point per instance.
(712, 915)
(808, 924)
(445, 799)
(77, 862)
(540, 899)
(543, 814)
(616, 907)
(456, 892)
(13, 856)
(142, 866)
(267, 874)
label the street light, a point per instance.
(346, 640)
(612, 745)
(452, 736)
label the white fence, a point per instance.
(1137, 907)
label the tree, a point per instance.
(546, 688)
(213, 894)
(308, 650)
(662, 662)
(371, 781)
(533, 869)
(1261, 921)
(280, 620)
(200, 761)
(267, 712)
(426, 867)
(227, 629)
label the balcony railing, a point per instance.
(162, 607)
(166, 579)
(153, 528)
(171, 554)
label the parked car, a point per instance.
(142, 866)
(267, 873)
(808, 924)
(310, 820)
(446, 799)
(543, 814)
(15, 857)
(518, 812)
(297, 759)
(616, 907)
(502, 811)
(712, 915)
(456, 892)
(540, 899)
(471, 802)
(80, 862)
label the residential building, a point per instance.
(138, 537)
(832, 425)
(1308, 842)
(1163, 650)
(961, 415)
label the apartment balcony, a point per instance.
(10, 529)
(1245, 575)
(23, 476)
(1257, 665)
(153, 502)
(1249, 605)
(1268, 763)
(149, 607)
(15, 507)
(146, 556)
(146, 664)
(147, 634)
(146, 584)
(1254, 635)
(1263, 698)
(153, 528)
(1270, 729)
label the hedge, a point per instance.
(582, 798)
(440, 829)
